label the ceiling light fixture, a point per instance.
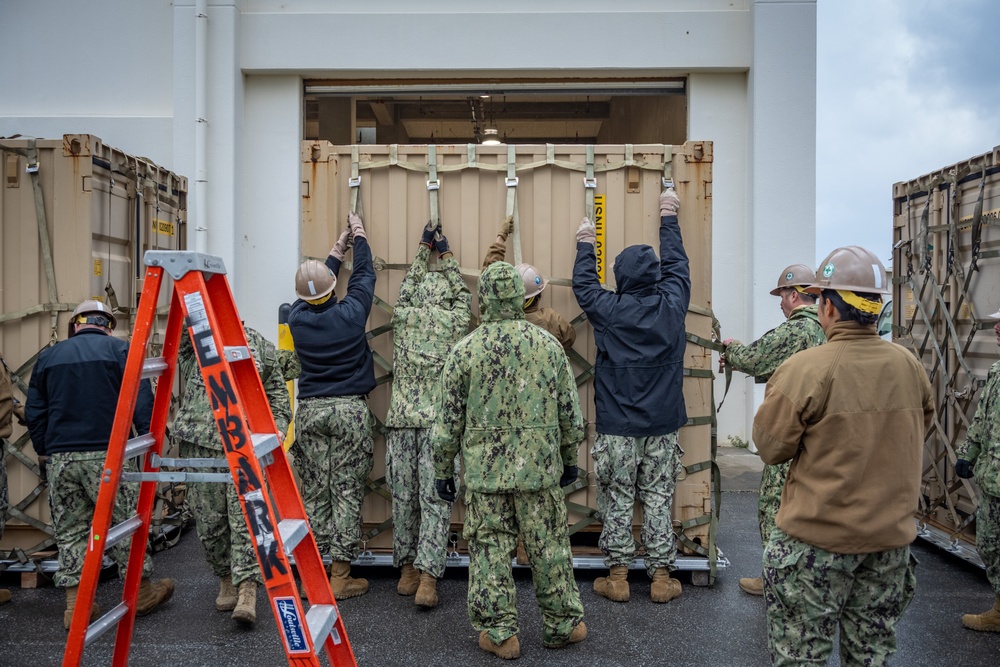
(491, 136)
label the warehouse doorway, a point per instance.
(510, 111)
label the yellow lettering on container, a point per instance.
(165, 227)
(600, 247)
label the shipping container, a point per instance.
(946, 273)
(549, 188)
(76, 217)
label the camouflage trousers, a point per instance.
(3, 492)
(420, 519)
(646, 468)
(74, 481)
(772, 482)
(219, 520)
(988, 537)
(492, 524)
(810, 591)
(333, 452)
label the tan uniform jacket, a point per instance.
(851, 415)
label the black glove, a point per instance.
(43, 468)
(963, 469)
(427, 238)
(445, 489)
(570, 473)
(441, 243)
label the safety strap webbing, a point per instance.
(589, 185)
(433, 184)
(355, 183)
(43, 233)
(511, 208)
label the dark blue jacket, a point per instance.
(330, 338)
(73, 394)
(639, 333)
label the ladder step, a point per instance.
(118, 533)
(292, 531)
(264, 443)
(139, 446)
(320, 619)
(177, 477)
(153, 367)
(159, 461)
(236, 353)
(108, 621)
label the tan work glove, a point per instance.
(343, 243)
(357, 227)
(506, 227)
(586, 232)
(670, 204)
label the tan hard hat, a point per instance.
(796, 275)
(314, 280)
(534, 283)
(852, 269)
(96, 307)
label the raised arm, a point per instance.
(594, 300)
(675, 274)
(498, 250)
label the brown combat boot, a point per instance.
(988, 621)
(614, 586)
(664, 587)
(4, 596)
(409, 579)
(427, 596)
(246, 608)
(522, 553)
(578, 635)
(341, 583)
(71, 591)
(752, 585)
(152, 594)
(228, 596)
(508, 649)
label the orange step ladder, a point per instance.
(277, 521)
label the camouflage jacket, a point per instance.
(431, 315)
(194, 422)
(982, 442)
(508, 399)
(763, 356)
(544, 317)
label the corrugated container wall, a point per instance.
(946, 263)
(101, 210)
(474, 188)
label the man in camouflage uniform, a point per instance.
(431, 314)
(534, 284)
(510, 405)
(640, 339)
(70, 411)
(800, 331)
(333, 448)
(979, 456)
(222, 528)
(9, 408)
(851, 415)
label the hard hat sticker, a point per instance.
(828, 270)
(878, 276)
(312, 288)
(789, 275)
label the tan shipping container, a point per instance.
(474, 187)
(946, 267)
(101, 209)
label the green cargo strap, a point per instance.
(43, 234)
(377, 530)
(977, 223)
(705, 342)
(668, 166)
(700, 421)
(923, 256)
(511, 208)
(355, 182)
(53, 308)
(433, 183)
(589, 185)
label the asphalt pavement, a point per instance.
(717, 625)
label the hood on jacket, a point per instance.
(636, 266)
(433, 290)
(501, 293)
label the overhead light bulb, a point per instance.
(491, 136)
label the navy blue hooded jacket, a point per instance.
(73, 394)
(639, 333)
(330, 338)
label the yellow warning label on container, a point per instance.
(988, 216)
(600, 247)
(98, 266)
(165, 227)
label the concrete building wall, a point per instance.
(126, 71)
